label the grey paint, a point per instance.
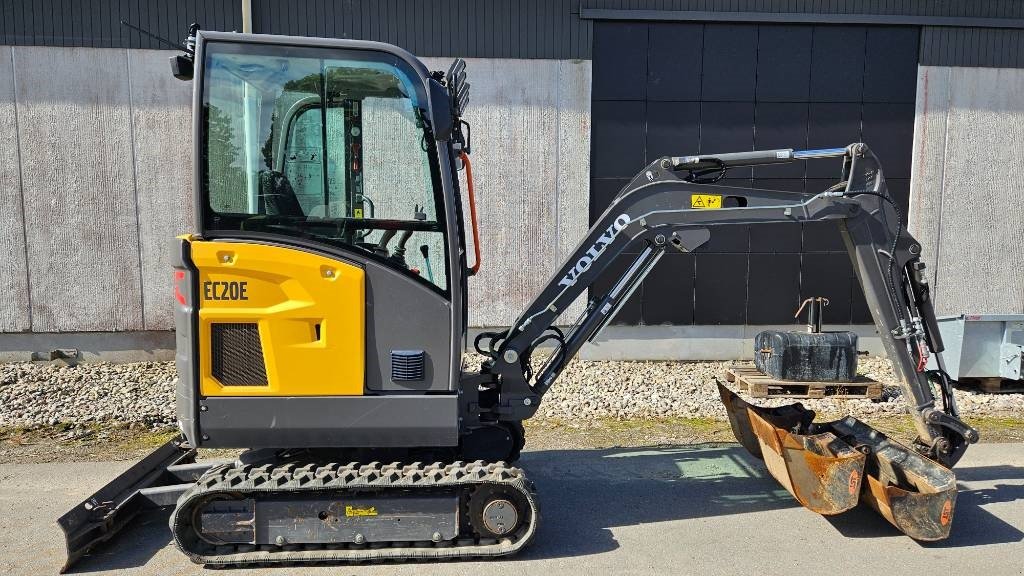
(966, 196)
(14, 306)
(162, 133)
(74, 129)
(983, 346)
(335, 421)
(392, 299)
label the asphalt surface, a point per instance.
(707, 509)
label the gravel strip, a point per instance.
(33, 394)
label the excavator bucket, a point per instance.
(821, 471)
(916, 494)
(830, 467)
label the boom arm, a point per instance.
(671, 205)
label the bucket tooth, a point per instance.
(914, 493)
(821, 471)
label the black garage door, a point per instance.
(680, 88)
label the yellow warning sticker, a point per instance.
(705, 201)
(357, 213)
(360, 511)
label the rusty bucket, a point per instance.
(821, 471)
(914, 493)
(829, 467)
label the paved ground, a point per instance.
(706, 509)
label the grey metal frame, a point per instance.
(652, 214)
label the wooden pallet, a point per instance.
(994, 385)
(760, 386)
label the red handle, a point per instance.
(472, 213)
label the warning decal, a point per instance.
(705, 201)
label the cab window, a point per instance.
(326, 149)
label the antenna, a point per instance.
(179, 46)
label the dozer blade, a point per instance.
(156, 481)
(829, 467)
(821, 471)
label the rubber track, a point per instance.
(311, 478)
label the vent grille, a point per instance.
(407, 365)
(238, 355)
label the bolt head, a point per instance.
(436, 537)
(527, 401)
(510, 356)
(359, 539)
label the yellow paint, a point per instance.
(705, 201)
(287, 292)
(355, 511)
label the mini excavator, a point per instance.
(321, 317)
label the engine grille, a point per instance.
(407, 365)
(237, 354)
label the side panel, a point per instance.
(358, 421)
(401, 314)
(309, 310)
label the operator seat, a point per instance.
(277, 197)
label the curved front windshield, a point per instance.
(325, 147)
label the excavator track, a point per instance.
(295, 484)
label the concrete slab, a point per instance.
(531, 163)
(703, 509)
(74, 127)
(161, 108)
(700, 342)
(14, 306)
(967, 200)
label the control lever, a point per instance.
(425, 251)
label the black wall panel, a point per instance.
(720, 289)
(732, 87)
(668, 291)
(837, 63)
(729, 62)
(674, 71)
(670, 126)
(617, 138)
(783, 63)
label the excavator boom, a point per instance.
(674, 204)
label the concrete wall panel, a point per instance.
(162, 131)
(967, 195)
(74, 127)
(531, 161)
(14, 306)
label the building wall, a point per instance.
(967, 190)
(95, 180)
